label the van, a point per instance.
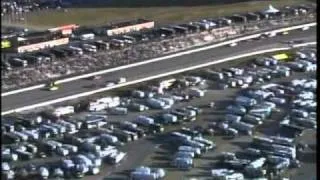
(70, 148)
(196, 109)
(22, 136)
(24, 155)
(196, 151)
(231, 118)
(156, 127)
(134, 136)
(168, 118)
(238, 110)
(134, 129)
(62, 151)
(184, 154)
(183, 163)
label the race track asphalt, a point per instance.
(36, 96)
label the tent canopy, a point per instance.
(271, 9)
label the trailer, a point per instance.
(123, 135)
(258, 163)
(226, 174)
(88, 36)
(137, 107)
(109, 138)
(187, 114)
(116, 157)
(283, 140)
(244, 127)
(32, 134)
(24, 155)
(167, 101)
(144, 120)
(134, 136)
(101, 45)
(63, 111)
(155, 103)
(17, 62)
(146, 173)
(36, 60)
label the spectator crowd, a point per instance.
(89, 62)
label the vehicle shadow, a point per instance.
(241, 144)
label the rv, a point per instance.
(196, 151)
(94, 122)
(116, 157)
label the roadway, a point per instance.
(134, 73)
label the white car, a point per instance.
(109, 84)
(233, 44)
(122, 80)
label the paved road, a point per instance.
(74, 87)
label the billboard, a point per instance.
(42, 45)
(5, 44)
(282, 56)
(66, 30)
(129, 28)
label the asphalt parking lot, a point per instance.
(158, 157)
(156, 151)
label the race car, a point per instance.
(52, 86)
(92, 78)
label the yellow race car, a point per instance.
(52, 86)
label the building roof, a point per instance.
(126, 23)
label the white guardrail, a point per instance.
(159, 59)
(149, 78)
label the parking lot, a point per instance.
(156, 150)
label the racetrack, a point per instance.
(134, 73)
